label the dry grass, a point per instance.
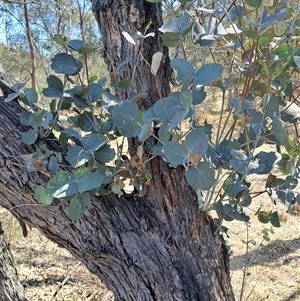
(273, 268)
(43, 267)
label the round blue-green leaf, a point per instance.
(201, 177)
(31, 95)
(274, 219)
(81, 47)
(149, 115)
(164, 133)
(36, 120)
(51, 92)
(180, 25)
(185, 70)
(105, 154)
(29, 137)
(47, 120)
(166, 108)
(94, 141)
(43, 195)
(95, 93)
(279, 15)
(176, 153)
(296, 59)
(196, 142)
(236, 212)
(85, 201)
(55, 87)
(77, 156)
(54, 81)
(133, 131)
(236, 12)
(124, 114)
(87, 180)
(186, 99)
(177, 118)
(198, 94)
(64, 63)
(208, 73)
(61, 185)
(24, 118)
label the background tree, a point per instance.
(26, 39)
(10, 287)
(157, 242)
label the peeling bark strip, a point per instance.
(10, 286)
(158, 246)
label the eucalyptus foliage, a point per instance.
(264, 57)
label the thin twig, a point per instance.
(60, 286)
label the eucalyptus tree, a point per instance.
(136, 213)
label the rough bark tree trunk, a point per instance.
(152, 246)
(10, 286)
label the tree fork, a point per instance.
(155, 246)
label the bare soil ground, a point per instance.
(272, 268)
(48, 272)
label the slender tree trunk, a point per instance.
(10, 286)
(152, 246)
(31, 47)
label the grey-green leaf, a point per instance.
(61, 185)
(201, 177)
(176, 153)
(31, 95)
(43, 195)
(124, 114)
(74, 209)
(105, 154)
(279, 131)
(146, 130)
(196, 142)
(185, 70)
(81, 47)
(274, 219)
(77, 156)
(87, 180)
(208, 73)
(165, 109)
(29, 137)
(36, 120)
(59, 39)
(94, 141)
(64, 63)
